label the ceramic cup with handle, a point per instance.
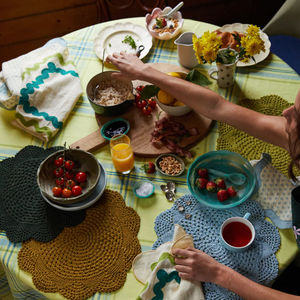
(237, 233)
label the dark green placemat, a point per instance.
(24, 214)
(250, 147)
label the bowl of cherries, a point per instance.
(68, 176)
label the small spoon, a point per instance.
(170, 13)
(164, 188)
(235, 178)
(172, 187)
(169, 196)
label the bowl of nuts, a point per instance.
(170, 165)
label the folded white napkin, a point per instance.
(45, 86)
(273, 192)
(156, 269)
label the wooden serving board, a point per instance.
(141, 126)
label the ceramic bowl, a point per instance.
(138, 185)
(156, 12)
(111, 123)
(174, 110)
(83, 160)
(227, 162)
(180, 161)
(112, 110)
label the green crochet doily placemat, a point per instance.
(250, 147)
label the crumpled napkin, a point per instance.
(156, 269)
(45, 86)
(273, 192)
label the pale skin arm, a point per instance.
(199, 266)
(267, 128)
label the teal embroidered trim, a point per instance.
(35, 84)
(165, 255)
(163, 278)
(37, 65)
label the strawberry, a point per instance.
(148, 167)
(231, 191)
(222, 195)
(201, 183)
(211, 187)
(203, 173)
(164, 22)
(220, 183)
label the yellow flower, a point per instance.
(209, 54)
(252, 30)
(253, 47)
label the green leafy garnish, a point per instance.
(129, 40)
(194, 76)
(109, 44)
(159, 23)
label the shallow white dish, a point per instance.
(90, 200)
(242, 29)
(111, 38)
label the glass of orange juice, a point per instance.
(121, 153)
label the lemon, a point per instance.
(165, 98)
(174, 74)
(178, 103)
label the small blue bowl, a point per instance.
(103, 128)
(138, 185)
(227, 162)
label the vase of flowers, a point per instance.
(208, 49)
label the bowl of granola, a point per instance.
(109, 96)
(162, 28)
(170, 165)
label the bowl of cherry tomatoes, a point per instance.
(68, 176)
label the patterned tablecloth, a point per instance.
(271, 76)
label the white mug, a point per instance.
(234, 236)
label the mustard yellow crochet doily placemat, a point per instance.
(250, 147)
(91, 257)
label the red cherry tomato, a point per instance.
(141, 104)
(69, 175)
(70, 183)
(137, 98)
(59, 162)
(76, 190)
(147, 110)
(80, 177)
(60, 182)
(139, 88)
(69, 165)
(67, 193)
(151, 103)
(57, 191)
(58, 172)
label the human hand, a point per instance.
(195, 264)
(130, 66)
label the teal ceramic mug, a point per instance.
(237, 233)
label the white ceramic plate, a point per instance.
(111, 38)
(90, 200)
(242, 28)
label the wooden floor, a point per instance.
(27, 25)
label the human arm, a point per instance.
(197, 265)
(268, 128)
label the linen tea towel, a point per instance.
(50, 89)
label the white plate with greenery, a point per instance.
(125, 37)
(241, 28)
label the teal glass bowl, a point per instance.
(138, 185)
(227, 162)
(104, 127)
